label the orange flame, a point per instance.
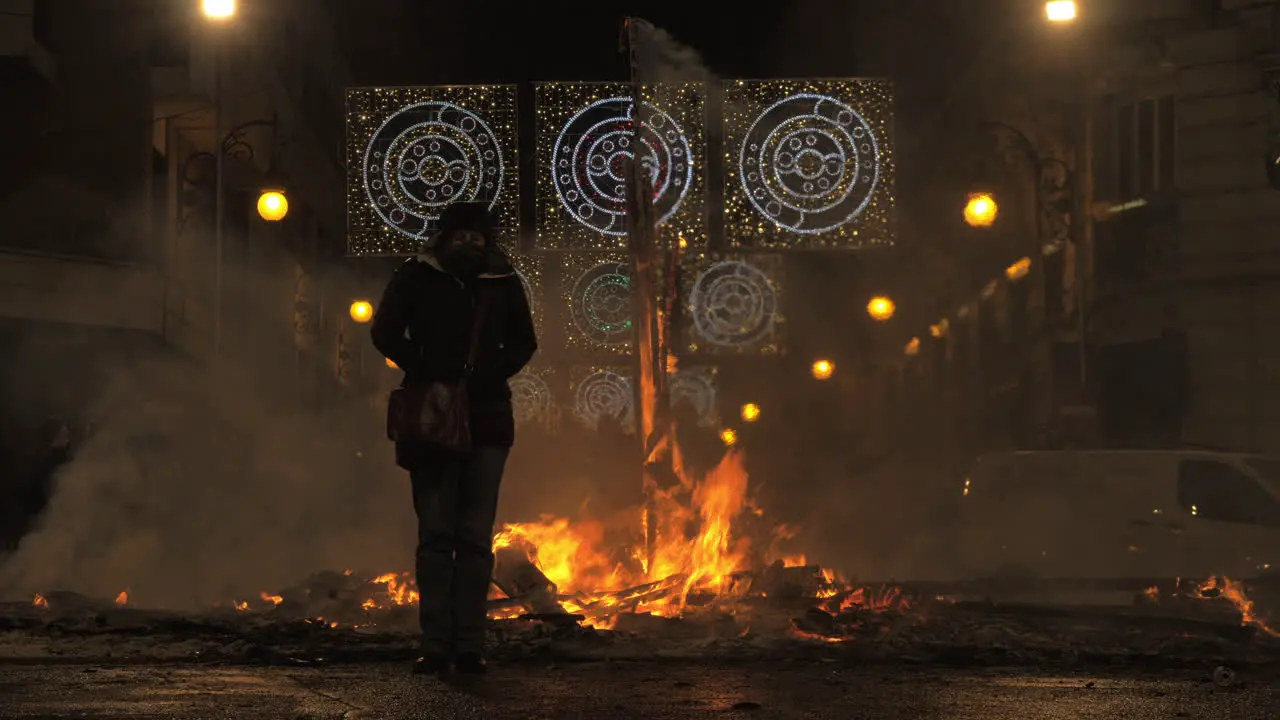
(123, 598)
(39, 601)
(1233, 592)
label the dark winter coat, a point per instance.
(423, 324)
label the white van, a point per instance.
(1120, 514)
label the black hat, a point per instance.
(467, 216)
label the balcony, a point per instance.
(79, 291)
(18, 43)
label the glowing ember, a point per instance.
(123, 598)
(38, 601)
(1233, 592)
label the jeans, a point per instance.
(456, 499)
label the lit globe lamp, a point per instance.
(361, 311)
(822, 369)
(218, 9)
(981, 210)
(881, 308)
(1060, 11)
(273, 206)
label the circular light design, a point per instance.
(601, 303)
(530, 398)
(595, 148)
(603, 394)
(733, 304)
(809, 163)
(426, 156)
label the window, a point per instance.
(1145, 148)
(1125, 127)
(1213, 490)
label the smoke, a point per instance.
(657, 57)
(194, 489)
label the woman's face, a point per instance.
(465, 239)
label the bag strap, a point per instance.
(482, 306)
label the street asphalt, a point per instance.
(625, 690)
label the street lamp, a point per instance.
(1060, 10)
(981, 210)
(822, 369)
(750, 412)
(881, 308)
(218, 9)
(1018, 270)
(272, 205)
(361, 311)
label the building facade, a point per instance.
(109, 218)
(1133, 156)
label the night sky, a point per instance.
(477, 42)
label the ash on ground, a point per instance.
(333, 617)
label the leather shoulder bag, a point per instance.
(437, 413)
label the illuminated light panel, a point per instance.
(529, 268)
(533, 400)
(809, 164)
(603, 392)
(698, 387)
(597, 290)
(413, 150)
(733, 304)
(585, 140)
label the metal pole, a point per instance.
(1084, 247)
(218, 200)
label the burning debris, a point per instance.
(695, 573)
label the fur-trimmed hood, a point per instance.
(497, 264)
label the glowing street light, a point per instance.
(272, 205)
(822, 369)
(728, 436)
(218, 9)
(1018, 270)
(361, 311)
(981, 210)
(881, 308)
(750, 412)
(1060, 10)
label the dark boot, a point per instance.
(431, 664)
(470, 664)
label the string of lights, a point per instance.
(1014, 273)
